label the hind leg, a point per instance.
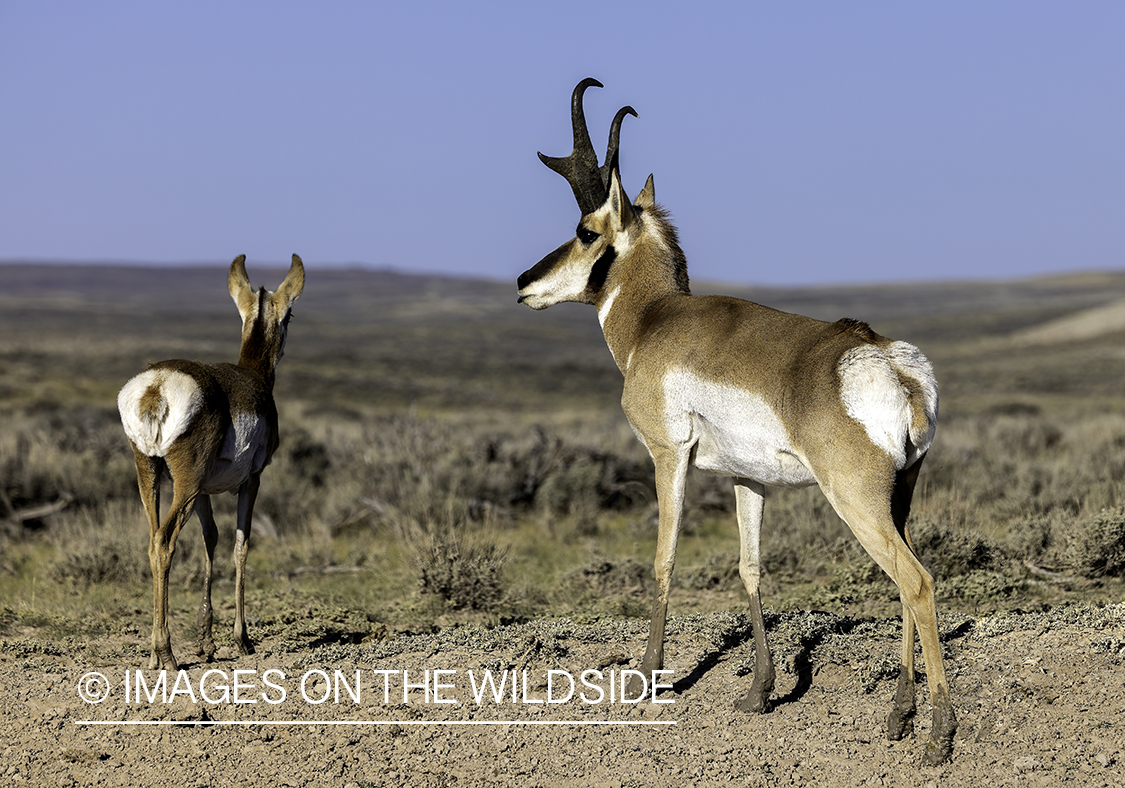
(900, 721)
(161, 547)
(870, 517)
(187, 464)
(149, 471)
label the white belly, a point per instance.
(736, 432)
(244, 453)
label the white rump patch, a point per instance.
(182, 399)
(874, 395)
(736, 432)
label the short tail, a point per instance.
(152, 408)
(917, 376)
(890, 389)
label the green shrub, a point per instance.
(718, 571)
(1092, 545)
(1029, 539)
(951, 551)
(1095, 545)
(108, 544)
(601, 576)
(456, 562)
(979, 587)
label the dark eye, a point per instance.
(587, 236)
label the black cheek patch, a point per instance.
(600, 270)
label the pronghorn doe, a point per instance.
(742, 390)
(210, 428)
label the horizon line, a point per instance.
(401, 271)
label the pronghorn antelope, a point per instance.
(210, 428)
(742, 390)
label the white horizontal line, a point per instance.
(373, 722)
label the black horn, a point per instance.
(610, 161)
(580, 168)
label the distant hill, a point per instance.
(1082, 325)
(1042, 310)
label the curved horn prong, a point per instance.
(610, 161)
(580, 168)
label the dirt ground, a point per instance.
(1040, 700)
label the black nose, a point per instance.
(524, 280)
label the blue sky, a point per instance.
(794, 143)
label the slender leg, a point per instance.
(671, 473)
(206, 645)
(247, 494)
(750, 503)
(900, 721)
(875, 528)
(149, 470)
(161, 547)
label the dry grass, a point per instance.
(447, 457)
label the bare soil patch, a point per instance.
(1040, 698)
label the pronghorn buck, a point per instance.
(210, 428)
(742, 390)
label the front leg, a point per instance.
(653, 658)
(750, 504)
(671, 473)
(247, 494)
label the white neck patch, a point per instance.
(603, 312)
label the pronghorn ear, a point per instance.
(293, 285)
(238, 283)
(622, 209)
(647, 197)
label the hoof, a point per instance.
(900, 723)
(755, 702)
(163, 662)
(940, 747)
(751, 705)
(635, 688)
(245, 647)
(937, 752)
